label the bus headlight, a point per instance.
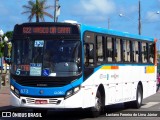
(69, 93)
(72, 92)
(76, 89)
(12, 87)
(15, 91)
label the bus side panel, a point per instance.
(120, 84)
(149, 81)
(89, 87)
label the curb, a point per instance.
(7, 108)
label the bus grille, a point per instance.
(50, 100)
(43, 81)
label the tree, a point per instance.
(3, 44)
(37, 9)
(8, 34)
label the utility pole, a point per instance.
(139, 18)
(56, 10)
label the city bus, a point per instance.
(71, 65)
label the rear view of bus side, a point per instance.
(118, 67)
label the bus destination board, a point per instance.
(46, 30)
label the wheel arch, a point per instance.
(102, 92)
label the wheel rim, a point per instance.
(98, 104)
(139, 98)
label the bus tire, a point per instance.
(42, 111)
(97, 109)
(139, 96)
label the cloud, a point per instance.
(93, 11)
(101, 6)
(153, 16)
(95, 19)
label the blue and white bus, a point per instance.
(66, 65)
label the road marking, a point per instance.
(150, 104)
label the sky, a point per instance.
(92, 12)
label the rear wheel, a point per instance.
(139, 96)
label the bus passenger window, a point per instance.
(151, 52)
(136, 52)
(144, 52)
(133, 51)
(89, 55)
(118, 50)
(99, 47)
(126, 51)
(109, 53)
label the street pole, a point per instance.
(56, 10)
(139, 18)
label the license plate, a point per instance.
(41, 102)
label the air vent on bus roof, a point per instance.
(70, 21)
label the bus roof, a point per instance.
(114, 32)
(84, 28)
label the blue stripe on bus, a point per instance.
(54, 91)
(113, 32)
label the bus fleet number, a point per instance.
(24, 91)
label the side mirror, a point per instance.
(7, 56)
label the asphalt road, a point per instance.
(149, 111)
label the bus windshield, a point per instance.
(53, 58)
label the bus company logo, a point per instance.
(58, 93)
(115, 76)
(41, 92)
(6, 114)
(20, 115)
(101, 76)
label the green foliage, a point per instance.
(158, 56)
(2, 44)
(9, 34)
(1, 49)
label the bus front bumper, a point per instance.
(74, 101)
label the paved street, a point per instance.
(151, 105)
(4, 98)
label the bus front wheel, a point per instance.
(96, 110)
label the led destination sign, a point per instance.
(46, 30)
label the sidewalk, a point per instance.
(5, 94)
(5, 98)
